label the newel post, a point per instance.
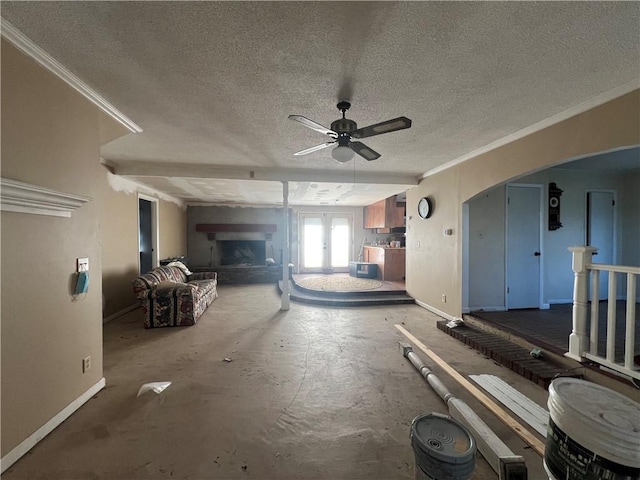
(578, 340)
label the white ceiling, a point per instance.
(212, 83)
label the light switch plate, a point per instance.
(83, 265)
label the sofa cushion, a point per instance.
(203, 286)
(171, 284)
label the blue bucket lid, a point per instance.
(443, 438)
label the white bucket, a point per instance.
(443, 448)
(593, 433)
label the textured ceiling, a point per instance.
(212, 83)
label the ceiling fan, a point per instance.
(344, 130)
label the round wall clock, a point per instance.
(425, 209)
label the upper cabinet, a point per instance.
(384, 214)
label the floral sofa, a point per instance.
(172, 296)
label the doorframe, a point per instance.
(155, 232)
(540, 187)
(614, 240)
(465, 258)
(324, 214)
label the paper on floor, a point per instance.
(157, 387)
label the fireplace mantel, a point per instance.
(236, 227)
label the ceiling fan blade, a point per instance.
(364, 151)
(313, 125)
(392, 125)
(314, 149)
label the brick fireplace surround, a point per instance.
(244, 272)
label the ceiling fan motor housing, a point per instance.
(344, 125)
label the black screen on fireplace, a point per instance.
(242, 252)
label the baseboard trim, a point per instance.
(560, 301)
(440, 313)
(14, 455)
(120, 313)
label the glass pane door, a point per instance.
(312, 243)
(340, 242)
(326, 242)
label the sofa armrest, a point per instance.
(203, 276)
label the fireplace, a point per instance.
(238, 252)
(242, 252)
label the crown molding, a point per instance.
(26, 198)
(593, 102)
(29, 48)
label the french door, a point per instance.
(326, 242)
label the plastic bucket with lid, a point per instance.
(593, 433)
(443, 448)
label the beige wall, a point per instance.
(434, 261)
(173, 229)
(50, 137)
(119, 238)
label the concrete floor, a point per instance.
(312, 393)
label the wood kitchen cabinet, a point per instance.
(390, 261)
(384, 214)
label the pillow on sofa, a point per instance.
(181, 266)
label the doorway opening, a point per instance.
(147, 233)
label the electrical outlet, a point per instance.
(444, 298)
(86, 364)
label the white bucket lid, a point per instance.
(598, 418)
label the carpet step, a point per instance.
(347, 299)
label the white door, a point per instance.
(600, 232)
(326, 242)
(523, 246)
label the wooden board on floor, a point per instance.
(529, 411)
(528, 437)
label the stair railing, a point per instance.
(583, 344)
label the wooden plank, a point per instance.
(529, 411)
(528, 437)
(236, 227)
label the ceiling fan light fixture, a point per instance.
(342, 154)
